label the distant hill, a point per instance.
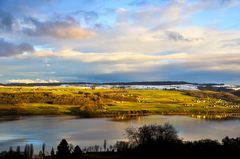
(109, 83)
(220, 89)
(150, 83)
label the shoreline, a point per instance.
(126, 117)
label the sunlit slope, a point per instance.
(104, 102)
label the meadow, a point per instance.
(118, 103)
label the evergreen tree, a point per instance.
(77, 153)
(52, 152)
(63, 150)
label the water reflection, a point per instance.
(87, 132)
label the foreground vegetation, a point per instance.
(119, 103)
(148, 141)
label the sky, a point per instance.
(120, 41)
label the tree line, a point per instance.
(148, 141)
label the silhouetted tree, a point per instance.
(10, 153)
(40, 155)
(152, 133)
(63, 150)
(122, 146)
(43, 150)
(105, 145)
(18, 150)
(31, 151)
(52, 152)
(231, 146)
(77, 153)
(27, 152)
(149, 140)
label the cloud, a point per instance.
(88, 17)
(155, 16)
(113, 62)
(134, 62)
(170, 13)
(9, 49)
(32, 81)
(175, 36)
(212, 62)
(216, 4)
(64, 28)
(232, 42)
(107, 57)
(6, 21)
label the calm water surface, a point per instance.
(88, 132)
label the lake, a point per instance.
(93, 131)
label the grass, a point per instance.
(103, 102)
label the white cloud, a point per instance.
(32, 81)
(132, 62)
(108, 57)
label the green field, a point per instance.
(119, 103)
